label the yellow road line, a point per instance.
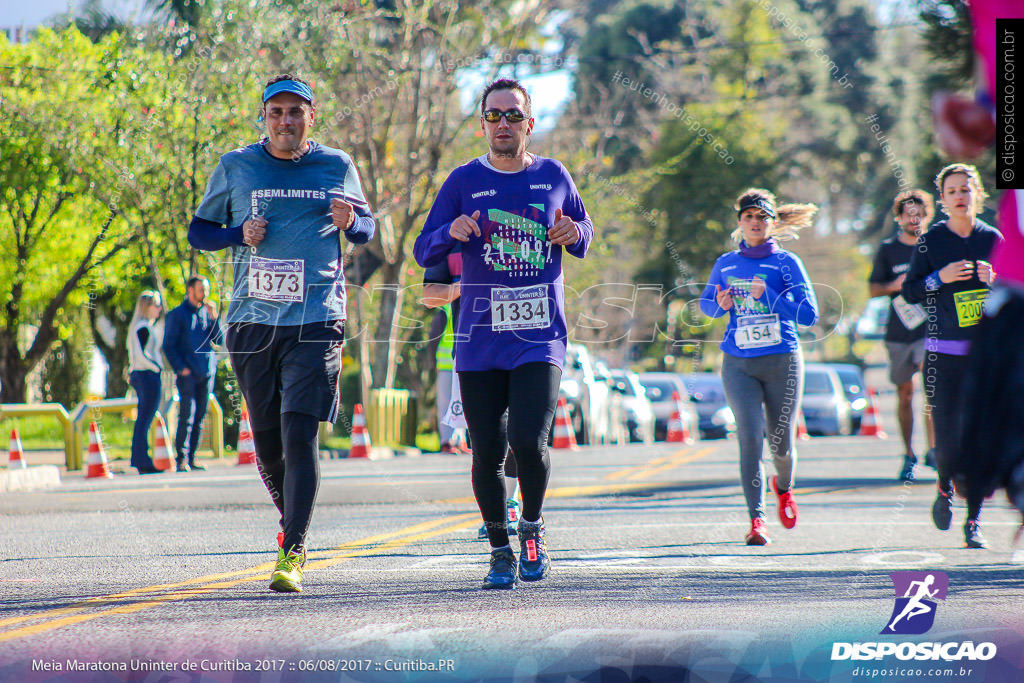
(680, 458)
(215, 581)
(618, 474)
(73, 614)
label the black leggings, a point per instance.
(528, 393)
(944, 391)
(287, 461)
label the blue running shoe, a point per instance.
(481, 533)
(533, 556)
(503, 570)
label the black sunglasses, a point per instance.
(512, 115)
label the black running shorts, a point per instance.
(293, 368)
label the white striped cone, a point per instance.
(564, 436)
(360, 435)
(246, 444)
(97, 467)
(677, 431)
(801, 427)
(162, 459)
(870, 424)
(16, 456)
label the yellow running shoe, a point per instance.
(287, 577)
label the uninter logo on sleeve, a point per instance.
(914, 613)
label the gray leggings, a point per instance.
(764, 390)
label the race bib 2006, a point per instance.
(273, 279)
(969, 306)
(522, 308)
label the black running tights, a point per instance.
(287, 461)
(943, 389)
(528, 393)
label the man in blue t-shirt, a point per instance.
(514, 213)
(286, 201)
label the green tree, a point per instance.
(54, 236)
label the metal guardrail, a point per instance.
(42, 410)
(391, 416)
(74, 423)
(213, 431)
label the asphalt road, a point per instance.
(166, 575)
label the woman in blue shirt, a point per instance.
(766, 293)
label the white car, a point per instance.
(637, 413)
(588, 394)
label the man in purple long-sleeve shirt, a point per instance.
(514, 213)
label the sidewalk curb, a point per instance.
(30, 479)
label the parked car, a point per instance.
(658, 388)
(588, 397)
(873, 320)
(713, 412)
(637, 413)
(856, 392)
(826, 410)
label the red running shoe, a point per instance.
(788, 513)
(280, 539)
(758, 534)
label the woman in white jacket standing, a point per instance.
(144, 366)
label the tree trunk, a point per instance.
(13, 373)
(387, 297)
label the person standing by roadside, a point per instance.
(190, 332)
(766, 293)
(145, 364)
(951, 276)
(514, 213)
(904, 333)
(282, 205)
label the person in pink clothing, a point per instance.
(994, 419)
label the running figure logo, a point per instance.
(916, 592)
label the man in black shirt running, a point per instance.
(904, 333)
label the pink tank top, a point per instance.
(1008, 259)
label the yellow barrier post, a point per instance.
(389, 413)
(48, 409)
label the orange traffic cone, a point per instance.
(246, 445)
(16, 456)
(97, 466)
(801, 428)
(870, 425)
(564, 436)
(678, 432)
(360, 435)
(162, 459)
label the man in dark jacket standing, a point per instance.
(190, 331)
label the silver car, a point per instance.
(826, 410)
(659, 387)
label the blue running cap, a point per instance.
(300, 89)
